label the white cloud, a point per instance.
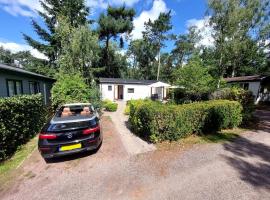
(103, 4)
(204, 29)
(21, 7)
(15, 47)
(158, 7)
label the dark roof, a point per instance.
(22, 71)
(127, 81)
(245, 78)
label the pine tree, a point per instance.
(117, 21)
(156, 32)
(74, 10)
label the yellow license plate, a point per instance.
(71, 147)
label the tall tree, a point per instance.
(76, 13)
(142, 54)
(233, 22)
(79, 49)
(156, 32)
(6, 56)
(117, 21)
(194, 78)
(185, 46)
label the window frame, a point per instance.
(36, 87)
(14, 87)
(133, 90)
(109, 87)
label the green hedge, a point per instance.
(157, 122)
(244, 97)
(21, 117)
(109, 105)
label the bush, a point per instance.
(111, 107)
(238, 94)
(73, 89)
(135, 102)
(21, 117)
(157, 122)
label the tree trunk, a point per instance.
(107, 54)
(158, 65)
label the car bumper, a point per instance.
(53, 150)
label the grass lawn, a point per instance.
(223, 136)
(17, 159)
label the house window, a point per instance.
(109, 88)
(14, 87)
(130, 90)
(245, 86)
(34, 87)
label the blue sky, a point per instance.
(15, 16)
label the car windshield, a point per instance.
(73, 112)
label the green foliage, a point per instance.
(75, 12)
(116, 21)
(135, 103)
(185, 46)
(73, 89)
(156, 33)
(143, 54)
(194, 78)
(244, 97)
(157, 122)
(236, 50)
(79, 50)
(6, 56)
(21, 117)
(109, 105)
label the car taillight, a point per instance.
(91, 130)
(48, 136)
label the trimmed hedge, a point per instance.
(21, 117)
(244, 97)
(109, 105)
(157, 122)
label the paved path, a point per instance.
(133, 144)
(233, 170)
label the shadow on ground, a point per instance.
(252, 159)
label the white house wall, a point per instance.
(140, 91)
(105, 93)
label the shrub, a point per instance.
(157, 122)
(135, 102)
(111, 107)
(238, 94)
(73, 89)
(21, 117)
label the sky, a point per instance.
(15, 18)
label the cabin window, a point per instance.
(130, 90)
(109, 88)
(34, 87)
(14, 87)
(245, 86)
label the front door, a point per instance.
(120, 92)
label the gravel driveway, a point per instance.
(236, 170)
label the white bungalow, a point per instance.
(127, 89)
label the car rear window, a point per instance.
(73, 125)
(77, 111)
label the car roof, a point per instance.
(77, 104)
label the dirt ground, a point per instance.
(233, 170)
